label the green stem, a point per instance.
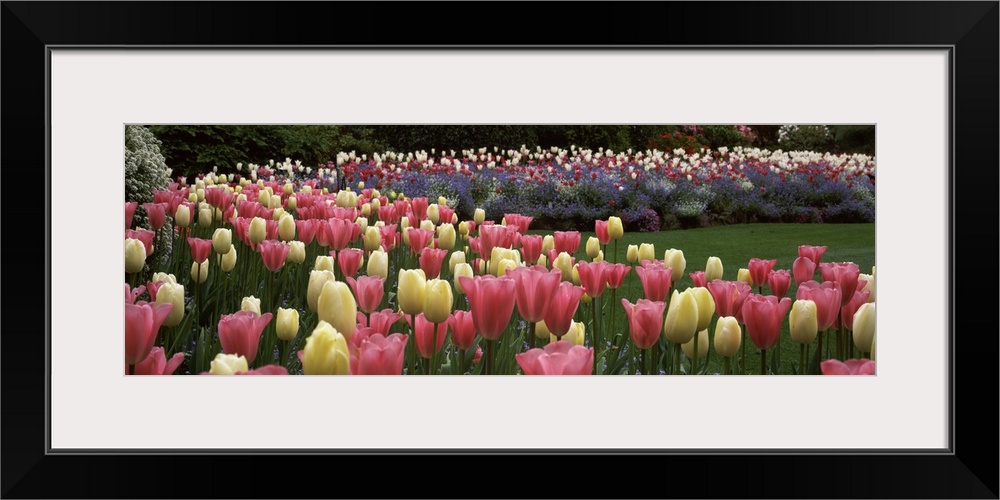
(694, 360)
(802, 359)
(725, 367)
(490, 351)
(434, 354)
(531, 335)
(763, 361)
(593, 314)
(743, 356)
(412, 363)
(645, 365)
(131, 369)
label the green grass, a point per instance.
(735, 246)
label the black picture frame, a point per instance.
(970, 29)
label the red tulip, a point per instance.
(463, 329)
(445, 214)
(566, 241)
(491, 302)
(157, 214)
(645, 320)
(377, 354)
(273, 253)
(601, 228)
(656, 280)
(424, 331)
(419, 239)
(759, 269)
(531, 248)
(142, 324)
(130, 207)
(616, 275)
(200, 249)
(779, 281)
(218, 197)
(419, 206)
(240, 332)
(157, 364)
(729, 296)
(306, 230)
(812, 253)
(338, 233)
(533, 288)
(803, 270)
(390, 238)
(349, 260)
(379, 321)
(847, 312)
(431, 260)
(849, 367)
(557, 358)
(146, 237)
(843, 273)
(763, 316)
(559, 315)
(698, 278)
(594, 276)
(827, 299)
(132, 295)
(368, 290)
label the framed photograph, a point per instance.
(921, 76)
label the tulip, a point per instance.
(379, 321)
(173, 294)
(558, 316)
(377, 354)
(759, 270)
(432, 213)
(463, 229)
(131, 295)
(803, 270)
(647, 251)
(228, 364)
(317, 278)
(682, 318)
(326, 352)
(632, 254)
(427, 343)
(286, 227)
(142, 324)
(743, 275)
(273, 254)
(463, 329)
(156, 213)
(368, 290)
(199, 271)
(418, 239)
(205, 216)
(874, 341)
(548, 243)
(349, 261)
(867, 286)
(323, 263)
(336, 306)
(594, 277)
(615, 229)
(577, 334)
(802, 321)
(845, 274)
(222, 240)
(296, 252)
(461, 269)
(557, 358)
(491, 302)
(601, 229)
(287, 323)
(863, 325)
(689, 347)
(431, 261)
(656, 281)
(427, 225)
(534, 287)
(728, 296)
(307, 230)
(593, 247)
(169, 278)
(135, 255)
(812, 253)
(779, 281)
(727, 337)
(455, 259)
(763, 316)
(438, 299)
(258, 230)
(706, 306)
(157, 364)
(410, 290)
(479, 216)
(645, 319)
(713, 269)
(616, 275)
(531, 248)
(567, 241)
(378, 264)
(849, 367)
(564, 263)
(130, 207)
(674, 259)
(239, 333)
(373, 239)
(251, 304)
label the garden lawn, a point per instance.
(735, 245)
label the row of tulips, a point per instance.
(444, 319)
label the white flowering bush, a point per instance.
(146, 171)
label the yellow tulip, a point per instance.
(199, 273)
(228, 364)
(802, 322)
(463, 229)
(288, 188)
(593, 247)
(688, 347)
(744, 275)
(706, 307)
(454, 259)
(169, 278)
(864, 326)
(135, 255)
(286, 227)
(446, 236)
(432, 213)
(222, 240)
(205, 216)
(461, 269)
(575, 272)
(674, 259)
(172, 293)
(182, 217)
(503, 266)
(287, 323)
(615, 228)
(336, 305)
(250, 303)
(258, 230)
(323, 263)
(727, 336)
(542, 331)
(325, 352)
(437, 301)
(410, 291)
(296, 251)
(317, 278)
(292, 203)
(576, 334)
(548, 243)
(542, 260)
(682, 317)
(263, 197)
(373, 239)
(229, 259)
(600, 256)
(442, 200)
(647, 251)
(277, 214)
(713, 269)
(366, 210)
(632, 254)
(427, 224)
(564, 263)
(479, 216)
(378, 264)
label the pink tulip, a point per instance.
(157, 364)
(478, 356)
(424, 331)
(594, 276)
(156, 213)
(379, 321)
(266, 370)
(273, 253)
(142, 324)
(431, 260)
(729, 296)
(152, 288)
(759, 269)
(847, 312)
(377, 354)
(566, 241)
(146, 237)
(388, 214)
(337, 233)
(463, 329)
(419, 206)
(368, 290)
(132, 295)
(763, 316)
(843, 273)
(601, 228)
(557, 358)
(827, 299)
(645, 320)
(559, 315)
(491, 302)
(656, 280)
(130, 207)
(349, 260)
(419, 239)
(445, 214)
(346, 213)
(779, 281)
(390, 237)
(218, 197)
(490, 237)
(534, 287)
(306, 230)
(616, 275)
(240, 332)
(812, 253)
(531, 248)
(803, 270)
(200, 249)
(698, 279)
(849, 367)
